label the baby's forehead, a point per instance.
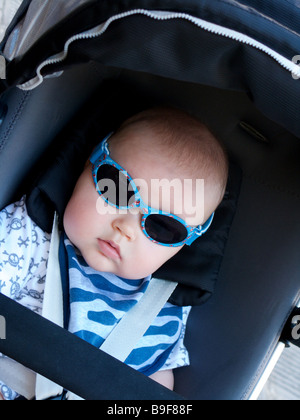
(147, 155)
(163, 181)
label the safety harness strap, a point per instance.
(136, 322)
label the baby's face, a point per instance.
(111, 240)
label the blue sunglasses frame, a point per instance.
(101, 156)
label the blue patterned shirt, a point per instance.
(98, 302)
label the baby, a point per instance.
(120, 228)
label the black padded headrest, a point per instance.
(196, 267)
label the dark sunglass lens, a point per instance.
(165, 229)
(114, 186)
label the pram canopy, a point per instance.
(232, 63)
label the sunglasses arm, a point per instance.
(200, 230)
(100, 150)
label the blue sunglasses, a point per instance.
(160, 227)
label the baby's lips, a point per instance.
(109, 249)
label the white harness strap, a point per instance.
(52, 308)
(18, 377)
(124, 337)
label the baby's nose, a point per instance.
(126, 226)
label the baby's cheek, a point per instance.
(152, 256)
(74, 218)
(67, 221)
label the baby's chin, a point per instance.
(103, 264)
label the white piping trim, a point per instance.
(289, 65)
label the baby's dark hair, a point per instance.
(188, 142)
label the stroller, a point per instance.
(233, 64)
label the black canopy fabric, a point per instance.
(248, 45)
